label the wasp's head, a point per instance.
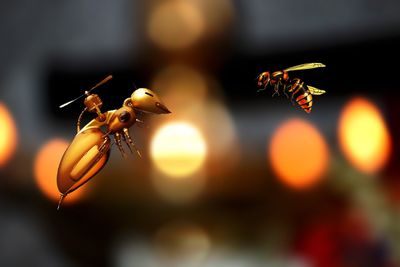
(147, 101)
(263, 79)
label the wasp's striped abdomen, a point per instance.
(299, 92)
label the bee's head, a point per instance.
(146, 100)
(263, 79)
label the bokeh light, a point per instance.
(194, 97)
(180, 86)
(45, 170)
(299, 154)
(182, 244)
(179, 191)
(363, 135)
(218, 15)
(175, 24)
(178, 149)
(8, 135)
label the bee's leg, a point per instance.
(103, 146)
(126, 141)
(142, 124)
(117, 137)
(130, 142)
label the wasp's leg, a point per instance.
(117, 137)
(130, 142)
(292, 101)
(262, 89)
(294, 91)
(285, 91)
(276, 89)
(291, 97)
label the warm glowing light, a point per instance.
(45, 170)
(194, 98)
(179, 191)
(8, 135)
(299, 154)
(181, 87)
(175, 24)
(218, 16)
(178, 149)
(182, 244)
(363, 135)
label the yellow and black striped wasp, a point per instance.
(299, 92)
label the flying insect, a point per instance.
(90, 149)
(298, 91)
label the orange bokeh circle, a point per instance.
(8, 135)
(45, 170)
(299, 154)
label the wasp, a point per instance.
(90, 149)
(299, 92)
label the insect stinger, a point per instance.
(62, 197)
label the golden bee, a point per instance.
(296, 88)
(90, 149)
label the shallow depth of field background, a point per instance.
(232, 177)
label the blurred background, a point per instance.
(232, 177)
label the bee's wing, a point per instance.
(315, 91)
(306, 66)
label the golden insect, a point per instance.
(90, 149)
(299, 92)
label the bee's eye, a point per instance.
(124, 116)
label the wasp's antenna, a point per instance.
(106, 79)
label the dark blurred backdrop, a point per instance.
(262, 184)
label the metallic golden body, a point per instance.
(299, 92)
(84, 157)
(89, 151)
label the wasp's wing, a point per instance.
(315, 91)
(306, 66)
